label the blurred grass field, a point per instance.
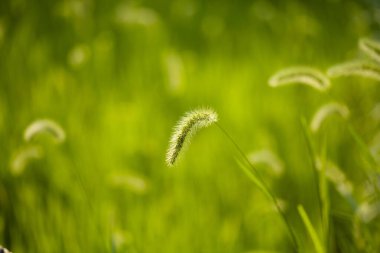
(117, 76)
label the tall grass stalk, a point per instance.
(317, 181)
(254, 175)
(368, 158)
(324, 188)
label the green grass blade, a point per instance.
(310, 229)
(324, 192)
(368, 156)
(253, 177)
(312, 153)
(363, 147)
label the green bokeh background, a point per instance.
(117, 75)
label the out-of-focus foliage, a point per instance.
(117, 75)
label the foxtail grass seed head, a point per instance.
(121, 239)
(371, 48)
(45, 126)
(302, 75)
(129, 15)
(267, 157)
(368, 211)
(133, 183)
(370, 187)
(24, 157)
(325, 111)
(185, 128)
(4, 250)
(282, 204)
(336, 176)
(173, 63)
(367, 69)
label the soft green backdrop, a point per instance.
(117, 75)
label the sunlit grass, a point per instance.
(112, 78)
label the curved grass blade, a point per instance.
(251, 175)
(370, 48)
(255, 177)
(300, 75)
(361, 68)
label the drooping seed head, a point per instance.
(361, 68)
(267, 157)
(23, 157)
(4, 250)
(129, 181)
(327, 110)
(302, 75)
(45, 126)
(370, 48)
(185, 128)
(368, 211)
(336, 176)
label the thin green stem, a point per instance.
(266, 188)
(324, 186)
(311, 151)
(369, 158)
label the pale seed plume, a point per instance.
(336, 176)
(361, 68)
(133, 15)
(368, 211)
(4, 250)
(24, 157)
(185, 128)
(45, 126)
(134, 183)
(371, 48)
(300, 75)
(327, 110)
(267, 157)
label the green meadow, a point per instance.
(91, 90)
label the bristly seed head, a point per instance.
(327, 110)
(45, 125)
(4, 250)
(370, 48)
(303, 75)
(363, 68)
(185, 128)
